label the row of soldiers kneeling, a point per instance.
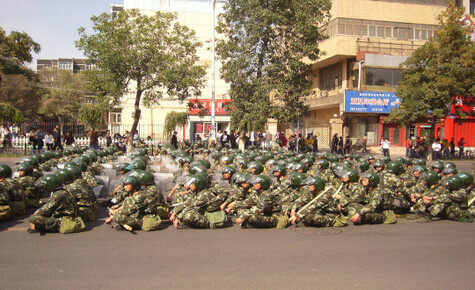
(257, 188)
(266, 189)
(72, 199)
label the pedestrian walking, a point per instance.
(174, 141)
(49, 141)
(93, 139)
(436, 149)
(57, 139)
(364, 141)
(385, 145)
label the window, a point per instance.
(372, 31)
(388, 32)
(382, 77)
(331, 77)
(115, 117)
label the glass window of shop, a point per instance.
(382, 76)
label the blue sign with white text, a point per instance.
(370, 102)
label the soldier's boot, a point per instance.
(372, 218)
(425, 218)
(323, 221)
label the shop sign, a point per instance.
(370, 102)
(203, 106)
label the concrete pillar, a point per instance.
(336, 126)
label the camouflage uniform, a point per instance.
(374, 208)
(32, 193)
(36, 173)
(17, 197)
(449, 205)
(5, 209)
(156, 203)
(250, 201)
(237, 195)
(87, 206)
(91, 180)
(261, 215)
(321, 213)
(132, 211)
(351, 193)
(49, 216)
(434, 191)
(393, 186)
(82, 182)
(193, 215)
(326, 175)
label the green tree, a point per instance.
(265, 55)
(15, 52)
(440, 70)
(9, 113)
(92, 115)
(174, 119)
(21, 92)
(149, 56)
(64, 94)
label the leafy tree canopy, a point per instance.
(150, 56)
(174, 119)
(264, 54)
(15, 52)
(440, 70)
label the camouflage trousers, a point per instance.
(451, 211)
(133, 221)
(400, 204)
(262, 221)
(49, 224)
(319, 220)
(195, 219)
(88, 213)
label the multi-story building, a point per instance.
(197, 15)
(355, 81)
(74, 65)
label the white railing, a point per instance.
(19, 142)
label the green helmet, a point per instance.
(67, 152)
(318, 182)
(216, 155)
(431, 177)
(65, 175)
(466, 178)
(228, 169)
(372, 177)
(206, 163)
(395, 167)
(134, 181)
(326, 156)
(146, 178)
(419, 162)
(32, 161)
(75, 171)
(50, 182)
(386, 159)
(85, 159)
(239, 177)
(58, 154)
(300, 166)
(198, 180)
(437, 165)
(348, 155)
(307, 161)
(257, 166)
(197, 168)
(137, 164)
(356, 156)
(370, 157)
(449, 170)
(5, 171)
(226, 160)
(44, 156)
(297, 178)
(278, 168)
(123, 168)
(263, 180)
(402, 160)
(92, 156)
(449, 164)
(379, 163)
(419, 168)
(363, 165)
(324, 164)
(82, 165)
(453, 183)
(353, 175)
(27, 168)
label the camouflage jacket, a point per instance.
(91, 180)
(326, 175)
(374, 200)
(14, 189)
(134, 206)
(392, 184)
(353, 192)
(250, 201)
(264, 205)
(29, 189)
(61, 203)
(87, 187)
(418, 188)
(326, 202)
(288, 200)
(4, 196)
(80, 194)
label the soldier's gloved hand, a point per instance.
(239, 221)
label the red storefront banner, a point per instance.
(203, 106)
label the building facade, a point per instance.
(197, 15)
(355, 81)
(74, 65)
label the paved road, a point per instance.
(436, 255)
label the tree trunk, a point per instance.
(138, 96)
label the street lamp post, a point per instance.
(213, 77)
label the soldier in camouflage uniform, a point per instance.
(324, 170)
(87, 206)
(201, 203)
(287, 198)
(314, 186)
(27, 181)
(61, 203)
(351, 192)
(156, 203)
(452, 204)
(5, 209)
(393, 186)
(374, 208)
(415, 184)
(239, 194)
(222, 192)
(130, 214)
(422, 205)
(468, 186)
(14, 189)
(262, 214)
